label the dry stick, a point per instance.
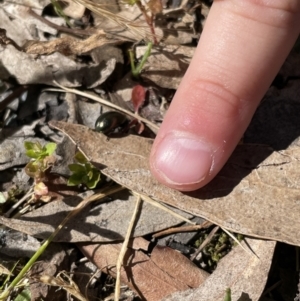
(15, 94)
(124, 247)
(23, 199)
(149, 20)
(205, 242)
(104, 102)
(76, 32)
(194, 228)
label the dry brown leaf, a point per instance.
(68, 45)
(166, 66)
(27, 69)
(64, 282)
(20, 25)
(152, 277)
(245, 275)
(256, 193)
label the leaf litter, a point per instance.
(250, 170)
(231, 200)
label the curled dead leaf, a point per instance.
(68, 45)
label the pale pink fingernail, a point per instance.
(182, 158)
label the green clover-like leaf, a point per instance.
(74, 180)
(32, 154)
(92, 183)
(77, 168)
(80, 158)
(50, 148)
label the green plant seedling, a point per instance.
(36, 151)
(58, 9)
(227, 295)
(136, 70)
(83, 172)
(41, 158)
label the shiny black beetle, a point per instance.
(109, 121)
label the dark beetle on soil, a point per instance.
(109, 121)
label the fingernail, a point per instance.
(182, 158)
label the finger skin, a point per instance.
(242, 47)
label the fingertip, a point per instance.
(182, 161)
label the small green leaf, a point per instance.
(80, 158)
(74, 180)
(24, 295)
(84, 173)
(49, 148)
(89, 175)
(32, 154)
(227, 295)
(33, 169)
(77, 168)
(36, 146)
(92, 183)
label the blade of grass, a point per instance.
(250, 252)
(136, 70)
(43, 247)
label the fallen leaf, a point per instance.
(46, 69)
(166, 67)
(256, 193)
(245, 275)
(21, 26)
(152, 277)
(68, 45)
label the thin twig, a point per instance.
(250, 252)
(16, 205)
(193, 228)
(124, 247)
(73, 31)
(205, 242)
(153, 126)
(15, 94)
(149, 20)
